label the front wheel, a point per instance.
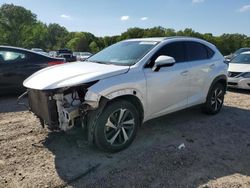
(215, 99)
(117, 126)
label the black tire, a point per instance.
(215, 99)
(105, 133)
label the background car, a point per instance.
(239, 71)
(237, 52)
(16, 64)
(82, 56)
(67, 55)
(39, 50)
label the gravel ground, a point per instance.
(216, 153)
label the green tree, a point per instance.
(36, 36)
(155, 32)
(94, 47)
(57, 36)
(13, 22)
(79, 42)
(132, 33)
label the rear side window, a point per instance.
(11, 57)
(210, 52)
(197, 51)
(175, 50)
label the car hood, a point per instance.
(72, 74)
(235, 67)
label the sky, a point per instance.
(112, 17)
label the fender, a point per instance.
(98, 102)
(93, 99)
(123, 92)
(217, 79)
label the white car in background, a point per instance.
(40, 51)
(129, 83)
(82, 56)
(239, 71)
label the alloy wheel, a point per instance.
(217, 99)
(119, 127)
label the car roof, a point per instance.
(17, 48)
(23, 49)
(160, 39)
(246, 48)
(247, 52)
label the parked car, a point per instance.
(67, 55)
(82, 56)
(52, 53)
(237, 52)
(239, 71)
(128, 83)
(16, 64)
(39, 50)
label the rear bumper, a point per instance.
(241, 83)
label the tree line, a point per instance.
(20, 27)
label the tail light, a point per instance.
(55, 62)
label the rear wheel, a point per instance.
(117, 126)
(215, 99)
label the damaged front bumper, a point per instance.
(60, 109)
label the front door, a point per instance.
(11, 70)
(167, 89)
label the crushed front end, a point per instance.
(60, 109)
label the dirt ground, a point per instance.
(216, 153)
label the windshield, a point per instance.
(242, 59)
(123, 53)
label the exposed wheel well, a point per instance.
(135, 101)
(223, 82)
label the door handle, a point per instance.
(184, 73)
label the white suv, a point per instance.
(126, 84)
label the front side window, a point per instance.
(197, 51)
(123, 53)
(175, 50)
(11, 57)
(241, 59)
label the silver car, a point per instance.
(239, 71)
(126, 84)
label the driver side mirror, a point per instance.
(163, 61)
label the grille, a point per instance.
(43, 107)
(232, 83)
(234, 74)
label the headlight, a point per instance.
(246, 75)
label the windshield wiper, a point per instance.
(100, 62)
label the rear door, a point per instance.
(200, 66)
(34, 63)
